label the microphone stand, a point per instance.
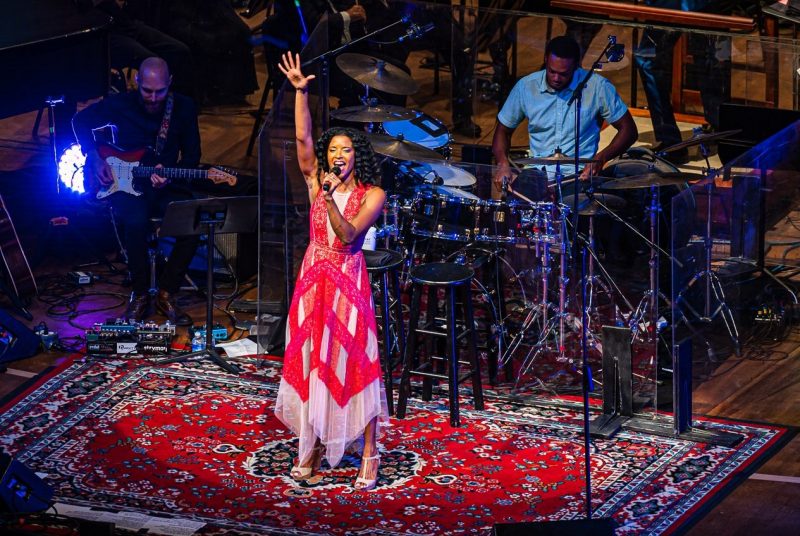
(325, 67)
(577, 97)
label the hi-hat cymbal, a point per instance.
(401, 149)
(647, 180)
(591, 207)
(555, 158)
(377, 73)
(701, 138)
(381, 113)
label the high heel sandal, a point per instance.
(299, 472)
(366, 484)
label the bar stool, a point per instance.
(383, 265)
(451, 277)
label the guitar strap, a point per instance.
(161, 139)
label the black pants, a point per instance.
(654, 60)
(133, 41)
(135, 213)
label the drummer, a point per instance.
(543, 99)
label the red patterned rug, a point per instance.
(190, 442)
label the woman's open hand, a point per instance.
(290, 66)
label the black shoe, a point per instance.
(467, 128)
(166, 305)
(137, 306)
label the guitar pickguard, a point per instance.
(123, 178)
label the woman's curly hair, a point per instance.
(366, 169)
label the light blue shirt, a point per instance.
(551, 124)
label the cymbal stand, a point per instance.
(648, 305)
(712, 284)
(655, 252)
(591, 277)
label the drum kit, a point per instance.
(434, 205)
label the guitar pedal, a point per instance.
(80, 278)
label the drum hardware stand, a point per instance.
(653, 293)
(324, 59)
(712, 284)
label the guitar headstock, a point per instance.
(220, 175)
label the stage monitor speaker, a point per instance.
(756, 124)
(241, 251)
(576, 527)
(17, 341)
(20, 489)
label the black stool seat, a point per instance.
(441, 273)
(382, 259)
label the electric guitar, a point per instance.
(126, 170)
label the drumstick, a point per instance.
(514, 192)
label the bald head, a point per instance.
(155, 68)
(153, 80)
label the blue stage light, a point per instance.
(70, 168)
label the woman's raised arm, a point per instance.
(290, 66)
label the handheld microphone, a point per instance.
(415, 31)
(336, 170)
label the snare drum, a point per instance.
(424, 130)
(538, 223)
(499, 221)
(443, 216)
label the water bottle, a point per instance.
(370, 239)
(198, 343)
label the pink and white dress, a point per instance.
(332, 384)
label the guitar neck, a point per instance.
(170, 173)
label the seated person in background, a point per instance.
(134, 37)
(711, 59)
(348, 20)
(542, 98)
(220, 44)
(152, 116)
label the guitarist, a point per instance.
(152, 116)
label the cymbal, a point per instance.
(591, 207)
(701, 138)
(401, 149)
(555, 158)
(647, 180)
(377, 73)
(447, 191)
(381, 113)
(442, 174)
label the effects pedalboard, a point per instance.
(117, 337)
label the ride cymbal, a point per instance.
(647, 180)
(401, 149)
(700, 138)
(377, 73)
(381, 113)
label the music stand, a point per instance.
(215, 215)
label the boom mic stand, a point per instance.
(577, 97)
